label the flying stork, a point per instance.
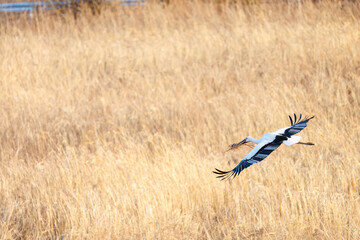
(266, 145)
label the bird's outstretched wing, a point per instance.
(296, 126)
(261, 151)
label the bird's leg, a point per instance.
(307, 143)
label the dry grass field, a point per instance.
(111, 125)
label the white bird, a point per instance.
(265, 145)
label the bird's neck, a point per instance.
(254, 140)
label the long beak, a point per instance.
(236, 145)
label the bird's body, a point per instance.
(265, 145)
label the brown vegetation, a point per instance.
(111, 125)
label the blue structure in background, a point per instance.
(31, 6)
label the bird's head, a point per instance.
(236, 145)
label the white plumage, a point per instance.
(292, 140)
(266, 145)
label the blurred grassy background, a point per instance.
(112, 124)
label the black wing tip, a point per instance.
(297, 120)
(308, 118)
(291, 121)
(224, 175)
(219, 171)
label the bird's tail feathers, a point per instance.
(292, 140)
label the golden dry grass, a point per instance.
(111, 125)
